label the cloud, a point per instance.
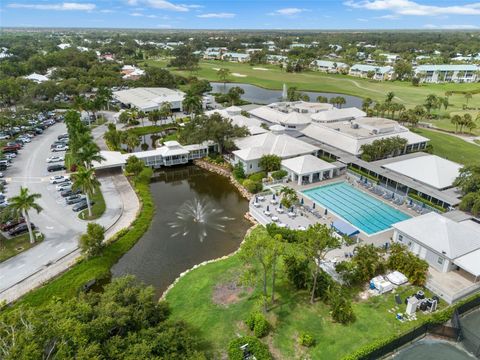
(288, 11)
(362, 19)
(451, 27)
(217, 15)
(136, 14)
(65, 6)
(388, 17)
(408, 7)
(161, 4)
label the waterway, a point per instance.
(199, 216)
(258, 95)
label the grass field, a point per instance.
(98, 207)
(191, 300)
(451, 147)
(16, 245)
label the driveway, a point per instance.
(57, 221)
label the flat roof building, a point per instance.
(148, 99)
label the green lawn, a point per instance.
(98, 207)
(16, 245)
(451, 147)
(191, 300)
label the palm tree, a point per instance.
(390, 96)
(367, 102)
(22, 204)
(289, 196)
(165, 110)
(88, 153)
(131, 140)
(322, 99)
(468, 96)
(85, 180)
(192, 103)
(455, 120)
(341, 101)
(223, 74)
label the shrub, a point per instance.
(258, 176)
(306, 340)
(145, 175)
(342, 310)
(414, 268)
(280, 174)
(258, 324)
(298, 271)
(270, 163)
(255, 347)
(238, 171)
(252, 186)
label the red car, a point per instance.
(11, 224)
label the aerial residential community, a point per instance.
(208, 181)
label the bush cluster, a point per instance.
(255, 347)
(306, 340)
(258, 324)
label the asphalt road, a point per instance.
(60, 225)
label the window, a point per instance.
(250, 166)
(440, 260)
(400, 237)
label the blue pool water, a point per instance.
(363, 211)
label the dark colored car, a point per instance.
(38, 131)
(73, 199)
(20, 229)
(56, 167)
(10, 149)
(82, 205)
(15, 144)
(70, 192)
(9, 225)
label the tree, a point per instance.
(154, 116)
(84, 179)
(389, 97)
(403, 69)
(223, 74)
(258, 249)
(214, 128)
(269, 163)
(91, 242)
(184, 58)
(468, 96)
(113, 137)
(22, 204)
(192, 103)
(130, 140)
(239, 171)
(234, 95)
(165, 110)
(468, 179)
(134, 165)
(88, 153)
(322, 99)
(431, 102)
(317, 241)
(289, 196)
(367, 102)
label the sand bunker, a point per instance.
(228, 293)
(258, 68)
(239, 75)
(216, 69)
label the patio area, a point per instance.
(452, 285)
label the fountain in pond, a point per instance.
(197, 217)
(284, 92)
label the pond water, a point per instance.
(199, 216)
(258, 95)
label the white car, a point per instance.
(67, 185)
(54, 159)
(25, 139)
(60, 148)
(57, 179)
(10, 155)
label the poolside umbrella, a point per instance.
(268, 208)
(326, 211)
(281, 207)
(393, 195)
(361, 178)
(314, 205)
(301, 201)
(273, 197)
(256, 199)
(291, 209)
(411, 202)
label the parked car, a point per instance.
(10, 156)
(67, 185)
(69, 192)
(5, 162)
(56, 167)
(14, 145)
(38, 131)
(4, 136)
(74, 199)
(60, 148)
(20, 229)
(82, 205)
(57, 179)
(4, 203)
(10, 150)
(54, 159)
(62, 136)
(11, 224)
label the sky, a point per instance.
(243, 14)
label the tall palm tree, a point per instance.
(468, 96)
(88, 153)
(165, 110)
(22, 204)
(289, 196)
(223, 74)
(85, 180)
(131, 140)
(192, 103)
(390, 96)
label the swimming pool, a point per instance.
(363, 211)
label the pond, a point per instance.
(199, 216)
(258, 95)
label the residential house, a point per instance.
(378, 72)
(329, 66)
(235, 57)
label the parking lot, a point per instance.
(60, 225)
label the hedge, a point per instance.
(363, 173)
(427, 202)
(256, 347)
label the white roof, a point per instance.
(254, 125)
(429, 169)
(148, 98)
(307, 164)
(36, 77)
(338, 114)
(295, 118)
(268, 114)
(441, 234)
(470, 263)
(285, 146)
(112, 159)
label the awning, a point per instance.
(344, 228)
(469, 262)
